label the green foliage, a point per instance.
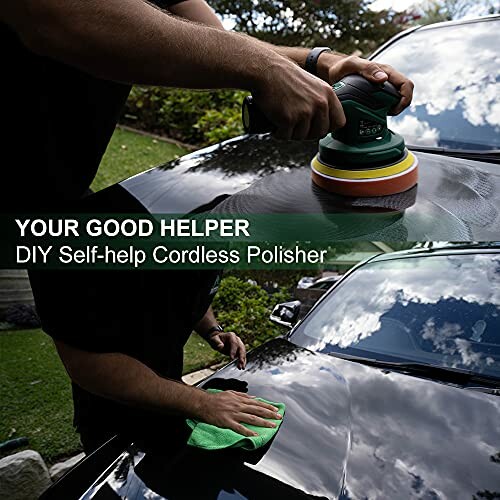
(346, 25)
(245, 308)
(191, 116)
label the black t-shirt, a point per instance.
(58, 121)
(147, 315)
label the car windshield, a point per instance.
(456, 71)
(438, 310)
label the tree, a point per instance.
(345, 25)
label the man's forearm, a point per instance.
(131, 41)
(199, 11)
(126, 380)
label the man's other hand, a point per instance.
(230, 344)
(231, 409)
(332, 68)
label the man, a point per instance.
(69, 66)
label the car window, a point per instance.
(456, 71)
(441, 310)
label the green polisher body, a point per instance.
(365, 139)
(363, 158)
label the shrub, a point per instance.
(244, 308)
(192, 116)
(285, 278)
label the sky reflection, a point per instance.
(455, 94)
(443, 310)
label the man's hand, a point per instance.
(229, 409)
(300, 105)
(333, 67)
(126, 380)
(230, 344)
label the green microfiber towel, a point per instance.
(210, 437)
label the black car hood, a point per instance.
(455, 200)
(350, 431)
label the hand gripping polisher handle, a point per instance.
(366, 106)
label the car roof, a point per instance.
(444, 24)
(426, 27)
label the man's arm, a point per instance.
(126, 380)
(131, 41)
(226, 342)
(199, 11)
(332, 66)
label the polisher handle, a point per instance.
(254, 121)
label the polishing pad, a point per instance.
(397, 177)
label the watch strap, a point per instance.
(216, 328)
(311, 64)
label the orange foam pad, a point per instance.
(375, 187)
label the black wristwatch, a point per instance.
(311, 64)
(216, 328)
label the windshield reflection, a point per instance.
(456, 71)
(441, 310)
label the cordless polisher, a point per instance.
(363, 158)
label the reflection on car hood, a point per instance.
(350, 431)
(455, 200)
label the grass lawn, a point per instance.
(35, 393)
(198, 355)
(129, 153)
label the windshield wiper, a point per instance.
(490, 156)
(464, 378)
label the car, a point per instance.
(306, 281)
(392, 390)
